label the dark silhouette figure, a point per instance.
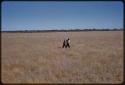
(66, 43)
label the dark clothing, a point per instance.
(66, 43)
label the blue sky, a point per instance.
(61, 15)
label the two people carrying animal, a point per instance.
(66, 43)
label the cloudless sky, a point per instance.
(61, 15)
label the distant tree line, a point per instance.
(64, 30)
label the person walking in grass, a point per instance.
(66, 43)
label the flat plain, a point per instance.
(94, 57)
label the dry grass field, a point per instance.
(94, 57)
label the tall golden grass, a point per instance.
(94, 57)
